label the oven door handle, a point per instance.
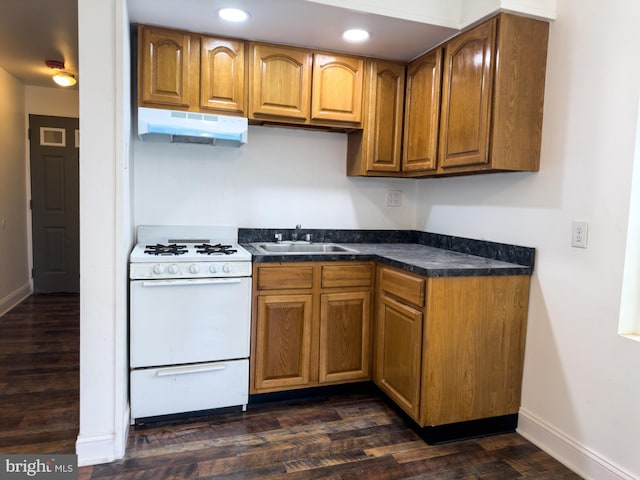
(190, 281)
(209, 367)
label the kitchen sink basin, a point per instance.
(302, 248)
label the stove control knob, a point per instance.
(173, 269)
(214, 268)
(194, 268)
(227, 268)
(158, 269)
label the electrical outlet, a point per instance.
(394, 198)
(579, 231)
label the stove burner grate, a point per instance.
(217, 249)
(160, 249)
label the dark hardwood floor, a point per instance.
(355, 436)
(39, 375)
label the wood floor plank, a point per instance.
(397, 448)
(426, 452)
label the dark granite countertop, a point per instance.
(417, 252)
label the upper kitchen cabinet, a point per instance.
(280, 82)
(166, 68)
(492, 97)
(400, 133)
(186, 71)
(422, 112)
(337, 87)
(223, 86)
(297, 86)
(472, 105)
(377, 148)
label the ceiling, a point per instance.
(296, 22)
(32, 31)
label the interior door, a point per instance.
(55, 203)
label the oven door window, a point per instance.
(189, 320)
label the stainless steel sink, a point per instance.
(301, 248)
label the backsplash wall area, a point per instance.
(282, 177)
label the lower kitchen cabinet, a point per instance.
(344, 337)
(311, 324)
(450, 349)
(283, 341)
(399, 353)
(445, 349)
(473, 348)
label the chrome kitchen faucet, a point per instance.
(296, 233)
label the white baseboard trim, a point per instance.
(105, 448)
(14, 298)
(94, 449)
(582, 460)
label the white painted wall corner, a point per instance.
(583, 461)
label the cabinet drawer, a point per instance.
(281, 277)
(187, 388)
(403, 285)
(347, 276)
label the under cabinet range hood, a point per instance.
(192, 127)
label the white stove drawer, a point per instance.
(187, 388)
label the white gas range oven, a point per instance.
(190, 315)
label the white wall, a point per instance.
(15, 278)
(581, 391)
(282, 177)
(105, 236)
(54, 101)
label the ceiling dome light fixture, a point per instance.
(64, 79)
(61, 77)
(355, 35)
(233, 14)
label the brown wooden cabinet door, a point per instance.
(422, 113)
(383, 128)
(165, 74)
(280, 82)
(337, 88)
(344, 336)
(466, 97)
(222, 75)
(283, 341)
(399, 353)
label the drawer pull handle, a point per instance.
(165, 372)
(190, 281)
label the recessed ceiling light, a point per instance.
(233, 14)
(355, 35)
